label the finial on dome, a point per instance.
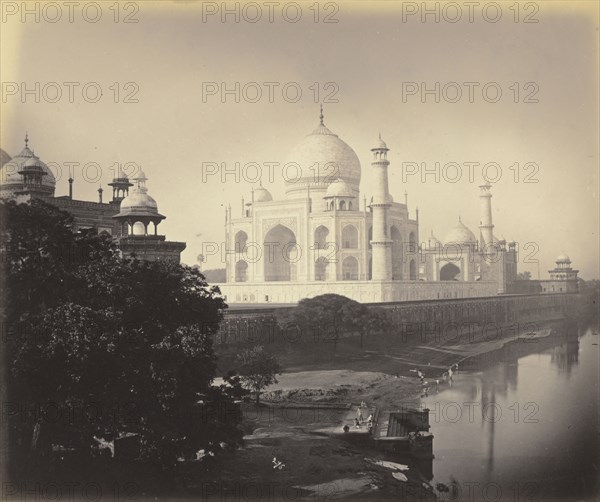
(26, 139)
(321, 117)
(459, 219)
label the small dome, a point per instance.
(138, 202)
(261, 194)
(10, 178)
(33, 162)
(433, 242)
(460, 234)
(380, 144)
(339, 188)
(563, 258)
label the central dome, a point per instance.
(319, 160)
(460, 234)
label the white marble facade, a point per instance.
(322, 237)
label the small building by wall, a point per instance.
(563, 278)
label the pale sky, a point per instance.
(370, 54)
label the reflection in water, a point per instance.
(566, 355)
(524, 423)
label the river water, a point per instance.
(522, 427)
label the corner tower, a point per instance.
(138, 211)
(381, 242)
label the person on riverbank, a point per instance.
(359, 415)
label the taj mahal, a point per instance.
(322, 238)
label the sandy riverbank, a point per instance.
(286, 426)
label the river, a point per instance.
(522, 428)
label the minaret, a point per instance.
(486, 228)
(381, 243)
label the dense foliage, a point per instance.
(100, 346)
(329, 316)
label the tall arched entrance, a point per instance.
(280, 254)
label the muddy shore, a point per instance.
(313, 396)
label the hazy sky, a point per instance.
(371, 54)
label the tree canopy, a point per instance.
(113, 346)
(258, 369)
(327, 317)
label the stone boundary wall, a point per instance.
(361, 291)
(259, 325)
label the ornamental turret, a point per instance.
(120, 185)
(139, 219)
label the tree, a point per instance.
(524, 276)
(257, 369)
(117, 346)
(329, 316)
(375, 320)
